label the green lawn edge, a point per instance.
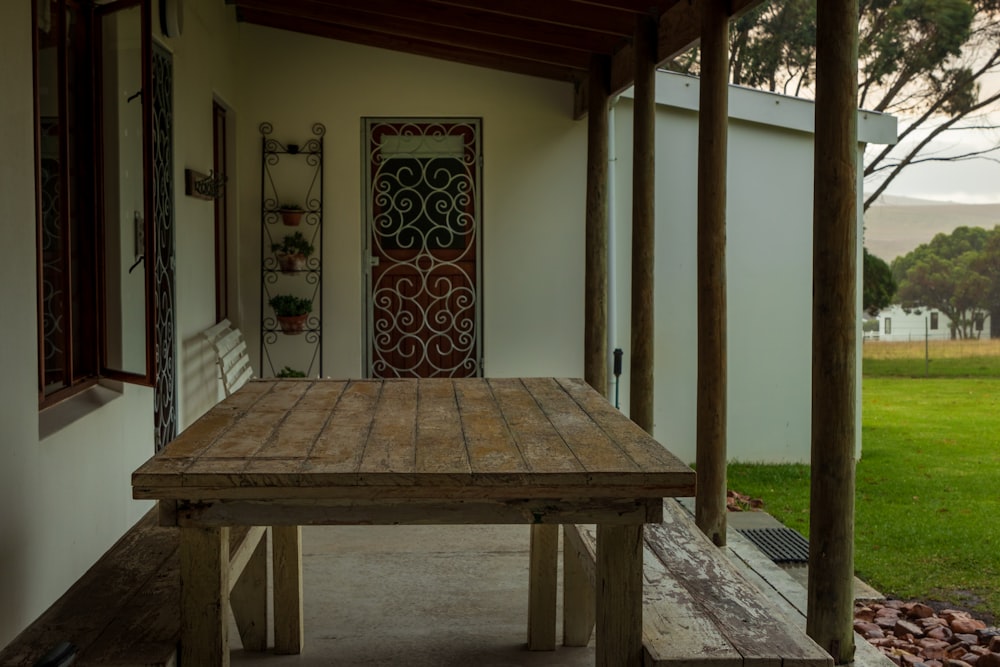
(927, 490)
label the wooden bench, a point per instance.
(231, 353)
(125, 610)
(698, 609)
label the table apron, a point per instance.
(304, 512)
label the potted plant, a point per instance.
(291, 214)
(291, 312)
(292, 252)
(289, 372)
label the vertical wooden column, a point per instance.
(713, 132)
(643, 224)
(834, 322)
(595, 336)
(577, 623)
(204, 559)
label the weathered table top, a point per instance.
(440, 438)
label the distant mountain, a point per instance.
(896, 225)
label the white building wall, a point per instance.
(768, 266)
(65, 484)
(206, 65)
(533, 188)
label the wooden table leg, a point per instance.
(248, 599)
(578, 595)
(289, 633)
(619, 596)
(204, 555)
(542, 578)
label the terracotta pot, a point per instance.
(292, 324)
(291, 263)
(291, 218)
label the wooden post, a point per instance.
(595, 336)
(204, 556)
(713, 119)
(619, 596)
(835, 239)
(643, 224)
(542, 579)
(289, 633)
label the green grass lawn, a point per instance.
(927, 516)
(918, 368)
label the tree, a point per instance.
(988, 264)
(879, 285)
(953, 273)
(925, 61)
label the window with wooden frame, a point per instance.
(91, 159)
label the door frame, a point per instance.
(367, 257)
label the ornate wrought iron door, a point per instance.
(423, 245)
(165, 408)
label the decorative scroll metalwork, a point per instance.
(423, 220)
(165, 407)
(53, 275)
(291, 173)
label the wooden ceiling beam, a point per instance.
(507, 63)
(680, 29)
(646, 7)
(578, 15)
(469, 41)
(459, 16)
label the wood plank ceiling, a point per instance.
(552, 39)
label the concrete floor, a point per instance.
(443, 596)
(416, 595)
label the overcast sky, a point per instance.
(968, 182)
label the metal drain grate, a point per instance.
(782, 545)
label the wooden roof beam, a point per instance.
(443, 21)
(679, 30)
(516, 64)
(584, 16)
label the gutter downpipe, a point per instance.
(612, 245)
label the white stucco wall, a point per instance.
(533, 188)
(205, 62)
(66, 497)
(768, 267)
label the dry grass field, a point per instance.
(936, 349)
(940, 358)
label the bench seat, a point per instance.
(125, 610)
(231, 355)
(698, 609)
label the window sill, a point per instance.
(53, 419)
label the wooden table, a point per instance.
(288, 453)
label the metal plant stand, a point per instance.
(291, 243)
